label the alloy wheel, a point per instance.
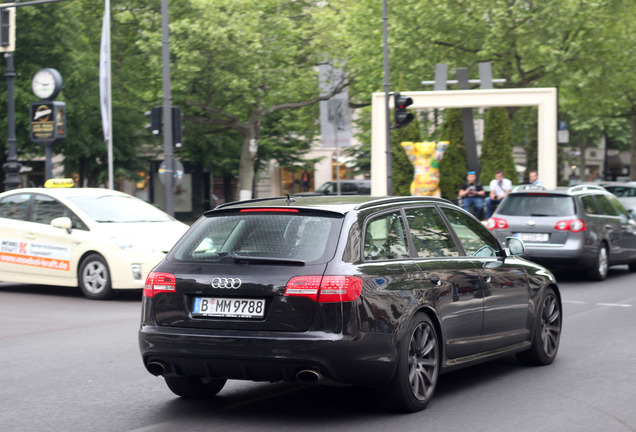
(423, 361)
(95, 277)
(550, 325)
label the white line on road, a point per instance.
(614, 304)
(599, 304)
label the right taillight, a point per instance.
(325, 289)
(574, 225)
(158, 282)
(496, 223)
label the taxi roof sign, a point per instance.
(59, 183)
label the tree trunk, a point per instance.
(582, 147)
(632, 163)
(248, 156)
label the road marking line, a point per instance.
(614, 304)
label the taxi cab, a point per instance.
(96, 239)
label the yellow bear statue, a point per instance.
(425, 157)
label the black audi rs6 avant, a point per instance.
(380, 292)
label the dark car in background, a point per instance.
(347, 187)
(380, 292)
(583, 227)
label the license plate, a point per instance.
(534, 237)
(229, 307)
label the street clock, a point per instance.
(46, 83)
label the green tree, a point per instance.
(402, 168)
(453, 167)
(496, 151)
(258, 57)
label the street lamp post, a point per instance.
(12, 166)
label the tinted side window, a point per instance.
(475, 238)
(15, 206)
(347, 187)
(606, 206)
(620, 209)
(385, 238)
(46, 208)
(429, 233)
(590, 205)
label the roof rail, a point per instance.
(527, 187)
(585, 187)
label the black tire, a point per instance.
(547, 332)
(415, 379)
(94, 278)
(598, 272)
(195, 387)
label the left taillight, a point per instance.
(497, 223)
(574, 225)
(325, 289)
(158, 282)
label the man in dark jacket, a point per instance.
(472, 195)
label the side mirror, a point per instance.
(62, 222)
(514, 246)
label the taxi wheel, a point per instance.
(94, 278)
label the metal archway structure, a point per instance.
(545, 99)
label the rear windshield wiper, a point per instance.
(267, 260)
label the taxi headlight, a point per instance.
(132, 245)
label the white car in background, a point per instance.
(624, 191)
(98, 239)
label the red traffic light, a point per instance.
(401, 117)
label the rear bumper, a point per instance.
(566, 255)
(573, 252)
(366, 359)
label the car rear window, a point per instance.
(537, 205)
(306, 237)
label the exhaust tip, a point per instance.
(308, 376)
(156, 368)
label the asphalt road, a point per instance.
(72, 364)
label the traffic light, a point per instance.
(176, 127)
(154, 127)
(7, 29)
(401, 117)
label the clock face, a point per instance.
(46, 83)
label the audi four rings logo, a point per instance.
(228, 283)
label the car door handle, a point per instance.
(30, 236)
(487, 277)
(435, 279)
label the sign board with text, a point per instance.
(48, 122)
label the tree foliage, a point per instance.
(453, 167)
(496, 153)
